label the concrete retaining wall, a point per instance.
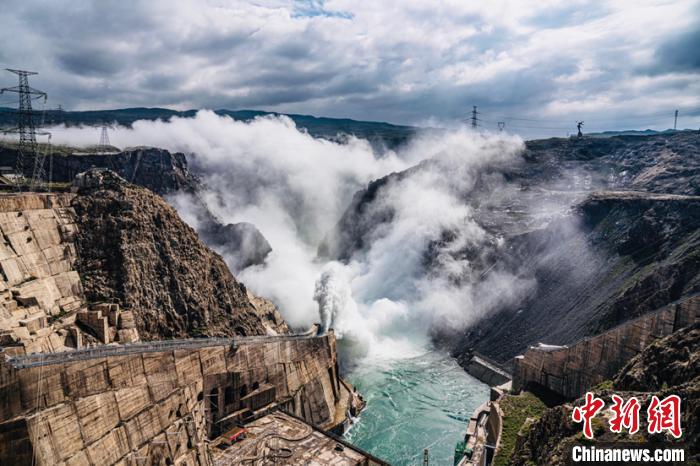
(487, 371)
(572, 370)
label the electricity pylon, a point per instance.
(26, 129)
(104, 139)
(475, 120)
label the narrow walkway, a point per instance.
(43, 359)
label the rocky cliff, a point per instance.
(133, 248)
(662, 163)
(157, 169)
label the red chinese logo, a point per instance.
(665, 415)
(662, 415)
(625, 415)
(587, 412)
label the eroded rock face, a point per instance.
(241, 243)
(133, 247)
(157, 169)
(668, 362)
(164, 173)
(663, 163)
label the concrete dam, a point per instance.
(160, 402)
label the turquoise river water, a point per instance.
(413, 404)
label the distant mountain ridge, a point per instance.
(329, 128)
(636, 132)
(377, 132)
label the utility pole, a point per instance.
(675, 120)
(474, 118)
(104, 138)
(501, 125)
(26, 129)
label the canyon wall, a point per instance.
(572, 370)
(156, 169)
(158, 403)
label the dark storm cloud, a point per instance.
(407, 61)
(680, 53)
(87, 62)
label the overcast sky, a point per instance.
(614, 64)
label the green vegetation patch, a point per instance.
(516, 410)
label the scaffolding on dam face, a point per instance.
(44, 359)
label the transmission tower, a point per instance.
(474, 119)
(501, 125)
(26, 129)
(104, 139)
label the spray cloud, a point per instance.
(419, 270)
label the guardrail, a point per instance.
(43, 359)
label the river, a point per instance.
(412, 404)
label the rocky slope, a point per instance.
(241, 244)
(667, 366)
(606, 228)
(552, 171)
(133, 248)
(669, 362)
(630, 253)
(663, 163)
